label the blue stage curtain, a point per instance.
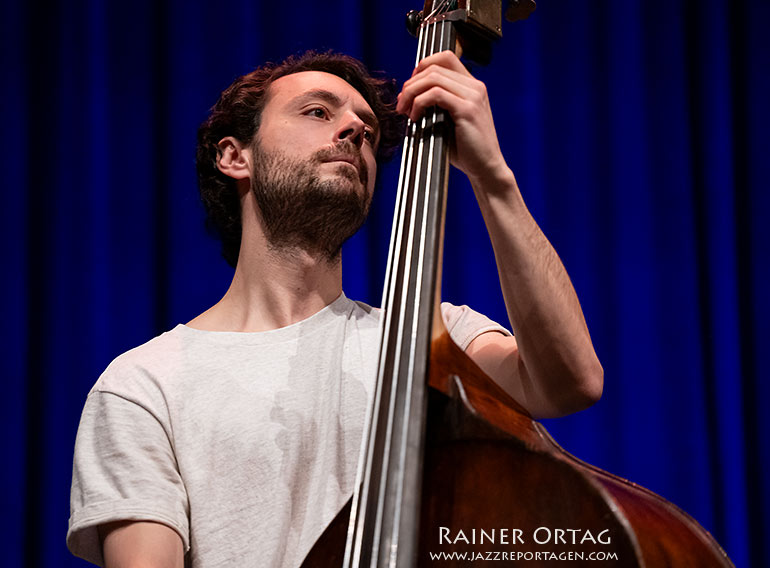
(639, 133)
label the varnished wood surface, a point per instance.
(489, 466)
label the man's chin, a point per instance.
(308, 205)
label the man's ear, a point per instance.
(234, 158)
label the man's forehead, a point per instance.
(298, 84)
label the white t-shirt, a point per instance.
(246, 444)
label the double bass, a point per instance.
(453, 470)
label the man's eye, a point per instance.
(369, 135)
(317, 112)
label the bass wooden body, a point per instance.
(489, 466)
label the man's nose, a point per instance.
(352, 128)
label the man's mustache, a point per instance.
(348, 149)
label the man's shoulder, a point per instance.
(465, 324)
(156, 357)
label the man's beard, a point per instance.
(301, 211)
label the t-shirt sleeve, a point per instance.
(124, 469)
(464, 325)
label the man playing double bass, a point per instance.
(233, 440)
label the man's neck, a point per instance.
(272, 289)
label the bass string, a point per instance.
(396, 257)
(423, 159)
(391, 293)
(408, 219)
(424, 163)
(406, 180)
(363, 487)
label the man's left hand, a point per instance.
(442, 80)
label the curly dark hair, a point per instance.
(238, 113)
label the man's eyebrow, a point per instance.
(333, 99)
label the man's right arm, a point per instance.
(132, 544)
(128, 504)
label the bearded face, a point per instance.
(301, 208)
